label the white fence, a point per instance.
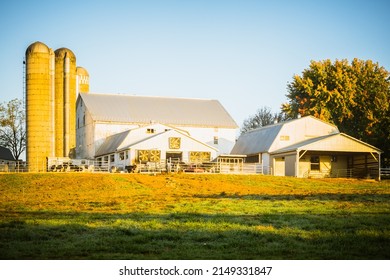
(83, 165)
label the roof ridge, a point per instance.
(149, 96)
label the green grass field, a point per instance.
(192, 216)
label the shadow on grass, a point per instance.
(344, 197)
(74, 235)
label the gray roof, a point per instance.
(257, 140)
(314, 144)
(166, 110)
(112, 142)
(261, 140)
(5, 154)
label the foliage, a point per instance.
(190, 216)
(354, 96)
(12, 127)
(263, 117)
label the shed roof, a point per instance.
(339, 142)
(112, 143)
(257, 140)
(167, 110)
(263, 139)
(5, 154)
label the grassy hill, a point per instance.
(191, 216)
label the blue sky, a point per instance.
(242, 53)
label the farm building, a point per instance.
(309, 147)
(152, 145)
(7, 160)
(110, 123)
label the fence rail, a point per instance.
(170, 166)
(385, 173)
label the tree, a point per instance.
(354, 96)
(12, 127)
(263, 117)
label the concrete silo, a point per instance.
(65, 103)
(82, 80)
(39, 105)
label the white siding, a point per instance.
(299, 130)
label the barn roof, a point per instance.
(5, 154)
(265, 139)
(112, 143)
(339, 142)
(167, 110)
(257, 140)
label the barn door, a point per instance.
(279, 167)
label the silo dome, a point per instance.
(82, 71)
(37, 47)
(82, 80)
(62, 52)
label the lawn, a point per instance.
(192, 216)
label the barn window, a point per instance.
(112, 158)
(198, 157)
(315, 163)
(174, 142)
(150, 130)
(149, 155)
(215, 140)
(284, 137)
(122, 155)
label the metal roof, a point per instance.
(257, 141)
(5, 154)
(166, 110)
(338, 142)
(263, 139)
(112, 143)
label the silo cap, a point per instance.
(37, 47)
(62, 52)
(81, 71)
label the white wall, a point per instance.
(300, 130)
(226, 137)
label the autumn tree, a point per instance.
(12, 127)
(354, 96)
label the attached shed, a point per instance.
(336, 155)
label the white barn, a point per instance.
(152, 144)
(203, 121)
(308, 147)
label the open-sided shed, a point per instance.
(335, 155)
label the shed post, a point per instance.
(379, 166)
(297, 164)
